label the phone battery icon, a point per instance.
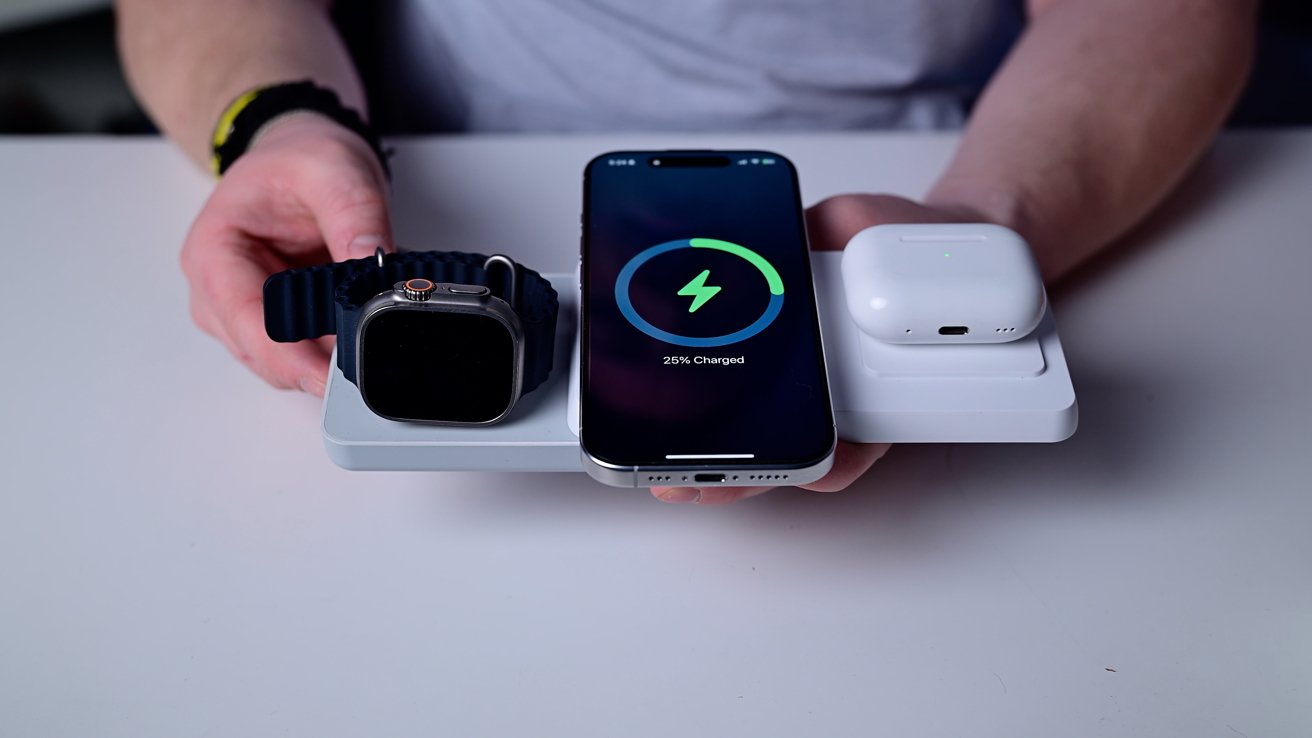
(767, 161)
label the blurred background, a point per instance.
(59, 72)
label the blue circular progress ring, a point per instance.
(772, 278)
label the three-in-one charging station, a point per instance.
(921, 348)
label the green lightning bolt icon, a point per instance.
(698, 291)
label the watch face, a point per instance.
(428, 365)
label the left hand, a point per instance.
(830, 224)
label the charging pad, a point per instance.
(1018, 391)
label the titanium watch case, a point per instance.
(443, 299)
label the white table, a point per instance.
(178, 557)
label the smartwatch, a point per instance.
(427, 336)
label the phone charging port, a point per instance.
(708, 477)
(953, 330)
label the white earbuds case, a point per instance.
(942, 283)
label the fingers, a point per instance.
(352, 215)
(228, 293)
(832, 222)
(706, 495)
(339, 180)
(851, 460)
(307, 192)
(302, 365)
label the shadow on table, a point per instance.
(907, 503)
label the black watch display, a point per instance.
(427, 336)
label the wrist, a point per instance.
(1052, 239)
(255, 110)
(307, 134)
(300, 124)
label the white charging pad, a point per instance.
(1018, 391)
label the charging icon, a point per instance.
(698, 291)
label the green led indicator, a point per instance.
(946, 254)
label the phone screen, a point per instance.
(701, 344)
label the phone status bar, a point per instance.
(742, 162)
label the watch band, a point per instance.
(256, 108)
(319, 300)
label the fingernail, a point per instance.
(311, 385)
(363, 246)
(680, 494)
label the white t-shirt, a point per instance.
(691, 65)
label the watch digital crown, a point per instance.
(416, 290)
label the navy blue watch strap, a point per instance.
(320, 300)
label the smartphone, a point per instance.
(701, 351)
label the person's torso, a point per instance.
(595, 65)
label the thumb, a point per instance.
(352, 216)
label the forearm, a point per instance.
(1096, 115)
(187, 60)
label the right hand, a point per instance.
(308, 191)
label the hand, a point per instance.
(307, 191)
(830, 225)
